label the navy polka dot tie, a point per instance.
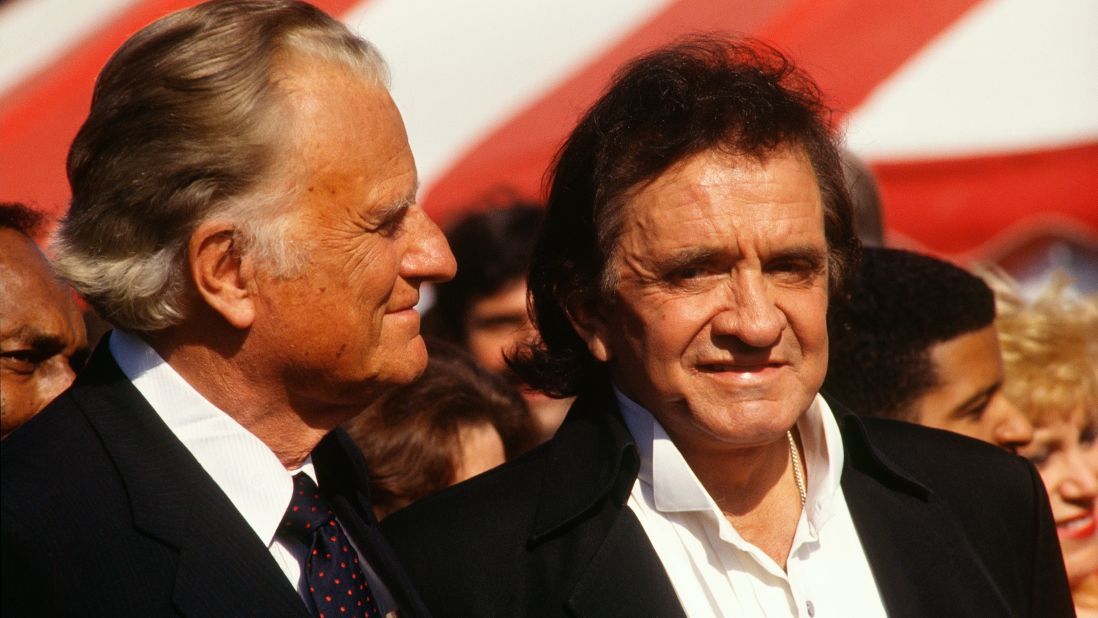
(332, 573)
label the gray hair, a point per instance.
(184, 127)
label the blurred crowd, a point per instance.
(909, 337)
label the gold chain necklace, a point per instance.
(798, 474)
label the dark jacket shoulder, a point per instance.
(928, 502)
(547, 534)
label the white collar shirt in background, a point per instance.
(714, 571)
(242, 465)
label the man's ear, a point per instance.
(590, 324)
(221, 275)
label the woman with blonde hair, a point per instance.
(1050, 353)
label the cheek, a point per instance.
(1051, 476)
(808, 319)
(18, 398)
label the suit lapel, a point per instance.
(626, 577)
(921, 561)
(223, 568)
(592, 465)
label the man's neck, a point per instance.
(241, 390)
(757, 491)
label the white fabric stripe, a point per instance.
(1011, 75)
(35, 33)
(461, 68)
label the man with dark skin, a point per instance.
(913, 338)
(42, 339)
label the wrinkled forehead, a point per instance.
(32, 302)
(769, 195)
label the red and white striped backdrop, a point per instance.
(980, 118)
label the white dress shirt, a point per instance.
(714, 571)
(242, 465)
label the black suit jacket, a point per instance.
(105, 512)
(951, 527)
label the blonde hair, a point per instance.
(186, 125)
(1050, 348)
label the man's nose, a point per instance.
(1012, 429)
(428, 257)
(749, 312)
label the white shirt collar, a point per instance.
(676, 488)
(244, 467)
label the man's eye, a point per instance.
(21, 361)
(796, 268)
(976, 411)
(687, 273)
(390, 226)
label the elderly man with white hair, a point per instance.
(244, 212)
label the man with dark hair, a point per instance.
(42, 339)
(697, 223)
(244, 213)
(483, 308)
(913, 338)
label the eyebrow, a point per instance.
(396, 209)
(700, 255)
(39, 342)
(803, 252)
(687, 257)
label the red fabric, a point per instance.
(958, 206)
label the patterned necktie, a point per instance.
(334, 578)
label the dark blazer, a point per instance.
(105, 512)
(951, 527)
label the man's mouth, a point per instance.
(721, 367)
(404, 307)
(1082, 527)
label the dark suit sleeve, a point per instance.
(1051, 596)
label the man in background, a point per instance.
(483, 309)
(42, 338)
(913, 338)
(244, 213)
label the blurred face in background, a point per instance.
(968, 398)
(42, 339)
(1066, 455)
(496, 324)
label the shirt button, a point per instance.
(811, 609)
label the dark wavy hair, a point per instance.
(895, 308)
(410, 436)
(736, 96)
